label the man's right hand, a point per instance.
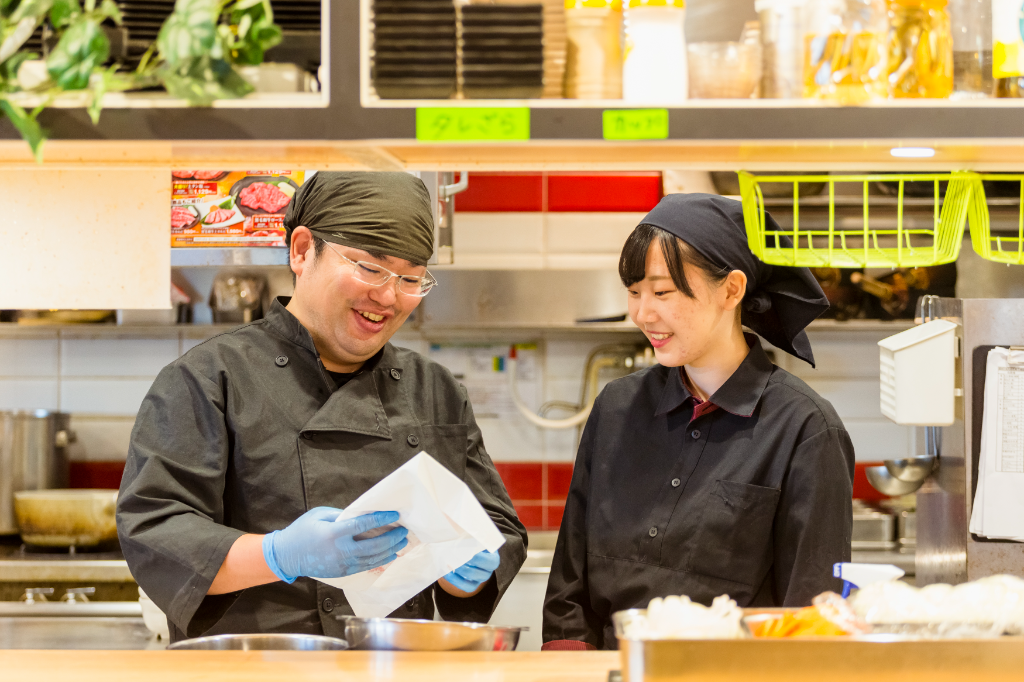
(316, 546)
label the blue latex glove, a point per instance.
(475, 572)
(315, 545)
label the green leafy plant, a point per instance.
(194, 57)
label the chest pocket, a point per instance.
(447, 444)
(734, 538)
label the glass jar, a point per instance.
(781, 48)
(593, 64)
(654, 69)
(920, 49)
(972, 48)
(845, 50)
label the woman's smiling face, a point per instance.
(683, 330)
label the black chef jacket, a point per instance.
(752, 500)
(247, 431)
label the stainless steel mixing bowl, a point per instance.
(267, 642)
(401, 634)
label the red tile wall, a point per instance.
(560, 192)
(538, 491)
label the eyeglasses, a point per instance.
(377, 276)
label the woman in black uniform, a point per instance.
(714, 472)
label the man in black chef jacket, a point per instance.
(243, 441)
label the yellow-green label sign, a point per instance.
(636, 124)
(472, 124)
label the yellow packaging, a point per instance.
(231, 208)
(1007, 38)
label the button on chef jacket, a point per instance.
(751, 498)
(247, 431)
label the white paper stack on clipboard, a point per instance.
(999, 501)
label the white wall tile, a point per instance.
(100, 439)
(513, 440)
(103, 396)
(28, 394)
(877, 440)
(498, 233)
(560, 445)
(566, 359)
(126, 357)
(28, 357)
(852, 398)
(856, 357)
(589, 232)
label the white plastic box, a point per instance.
(917, 374)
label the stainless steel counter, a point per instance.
(76, 633)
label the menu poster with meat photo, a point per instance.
(231, 208)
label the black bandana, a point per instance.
(375, 211)
(780, 301)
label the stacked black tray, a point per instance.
(502, 51)
(414, 52)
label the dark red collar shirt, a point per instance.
(747, 494)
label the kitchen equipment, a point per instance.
(593, 66)
(887, 484)
(920, 49)
(63, 518)
(971, 22)
(1005, 248)
(1007, 48)
(263, 642)
(237, 298)
(501, 51)
(401, 634)
(727, 70)
(414, 51)
(906, 528)
(845, 55)
(33, 456)
(911, 469)
(918, 383)
(782, 43)
(876, 243)
(873, 529)
(655, 66)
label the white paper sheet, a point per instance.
(447, 526)
(999, 501)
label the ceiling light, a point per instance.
(912, 152)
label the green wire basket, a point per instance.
(1008, 249)
(862, 246)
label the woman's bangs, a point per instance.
(633, 259)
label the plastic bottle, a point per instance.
(972, 48)
(654, 69)
(593, 67)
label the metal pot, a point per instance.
(65, 518)
(401, 634)
(33, 456)
(271, 642)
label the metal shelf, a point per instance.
(217, 257)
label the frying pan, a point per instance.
(237, 188)
(66, 518)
